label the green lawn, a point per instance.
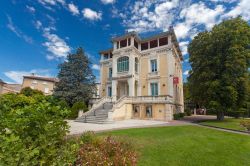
(187, 146)
(229, 123)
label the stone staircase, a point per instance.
(98, 115)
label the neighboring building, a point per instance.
(142, 78)
(44, 84)
(9, 88)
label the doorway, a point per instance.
(149, 111)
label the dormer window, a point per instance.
(163, 41)
(136, 44)
(153, 43)
(144, 46)
(123, 43)
(106, 56)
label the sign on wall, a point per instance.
(176, 80)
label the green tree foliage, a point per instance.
(77, 82)
(31, 131)
(220, 60)
(76, 107)
(27, 91)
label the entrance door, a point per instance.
(149, 112)
(136, 113)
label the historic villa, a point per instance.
(139, 79)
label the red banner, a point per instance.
(176, 80)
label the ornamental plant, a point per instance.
(31, 132)
(105, 151)
(246, 124)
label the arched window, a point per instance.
(123, 64)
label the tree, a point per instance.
(76, 80)
(27, 91)
(219, 58)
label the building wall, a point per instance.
(104, 78)
(39, 85)
(1, 88)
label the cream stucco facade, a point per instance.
(142, 77)
(44, 84)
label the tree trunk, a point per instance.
(220, 115)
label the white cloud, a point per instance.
(183, 46)
(186, 72)
(242, 8)
(51, 2)
(95, 67)
(17, 31)
(31, 9)
(91, 14)
(73, 9)
(55, 45)
(38, 24)
(181, 30)
(107, 1)
(199, 13)
(17, 76)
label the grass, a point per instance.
(187, 146)
(228, 123)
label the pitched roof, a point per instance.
(1, 81)
(51, 79)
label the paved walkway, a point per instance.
(77, 128)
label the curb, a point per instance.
(225, 129)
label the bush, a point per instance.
(178, 116)
(27, 91)
(236, 114)
(246, 124)
(105, 151)
(76, 108)
(188, 112)
(31, 132)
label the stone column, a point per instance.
(114, 92)
(131, 84)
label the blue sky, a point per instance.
(36, 35)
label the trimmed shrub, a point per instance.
(188, 112)
(27, 91)
(105, 151)
(77, 107)
(178, 116)
(246, 124)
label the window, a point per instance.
(153, 65)
(163, 41)
(106, 56)
(154, 89)
(34, 81)
(123, 43)
(136, 44)
(144, 46)
(129, 41)
(111, 55)
(46, 90)
(117, 44)
(136, 64)
(153, 43)
(123, 64)
(110, 72)
(109, 91)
